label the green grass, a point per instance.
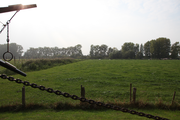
(104, 80)
(27, 65)
(83, 115)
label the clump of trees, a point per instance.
(128, 51)
(15, 49)
(97, 51)
(47, 52)
(158, 48)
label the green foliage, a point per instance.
(38, 64)
(147, 46)
(175, 50)
(129, 50)
(53, 52)
(115, 55)
(97, 51)
(14, 48)
(139, 55)
(159, 48)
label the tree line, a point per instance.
(47, 52)
(158, 48)
(42, 52)
(15, 49)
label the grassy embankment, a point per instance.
(104, 80)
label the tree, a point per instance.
(159, 48)
(115, 55)
(147, 49)
(163, 47)
(3, 49)
(111, 50)
(175, 49)
(129, 50)
(31, 53)
(14, 48)
(128, 47)
(92, 52)
(142, 49)
(139, 55)
(153, 48)
(136, 49)
(48, 52)
(103, 50)
(76, 51)
(97, 51)
(55, 51)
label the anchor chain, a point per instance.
(82, 99)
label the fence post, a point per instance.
(173, 97)
(23, 96)
(134, 95)
(82, 93)
(14, 60)
(130, 91)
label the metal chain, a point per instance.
(75, 97)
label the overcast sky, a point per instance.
(65, 23)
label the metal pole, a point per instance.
(9, 21)
(8, 36)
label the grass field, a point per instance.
(105, 81)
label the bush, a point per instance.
(39, 64)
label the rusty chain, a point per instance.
(75, 97)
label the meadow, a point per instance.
(107, 81)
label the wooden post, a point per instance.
(82, 93)
(173, 97)
(14, 60)
(23, 96)
(130, 91)
(134, 95)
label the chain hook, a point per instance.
(8, 52)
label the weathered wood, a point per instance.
(82, 94)
(82, 91)
(23, 96)
(134, 95)
(130, 91)
(14, 60)
(173, 97)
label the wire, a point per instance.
(2, 23)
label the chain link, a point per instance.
(75, 97)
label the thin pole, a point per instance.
(9, 21)
(130, 91)
(134, 95)
(23, 96)
(173, 97)
(8, 36)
